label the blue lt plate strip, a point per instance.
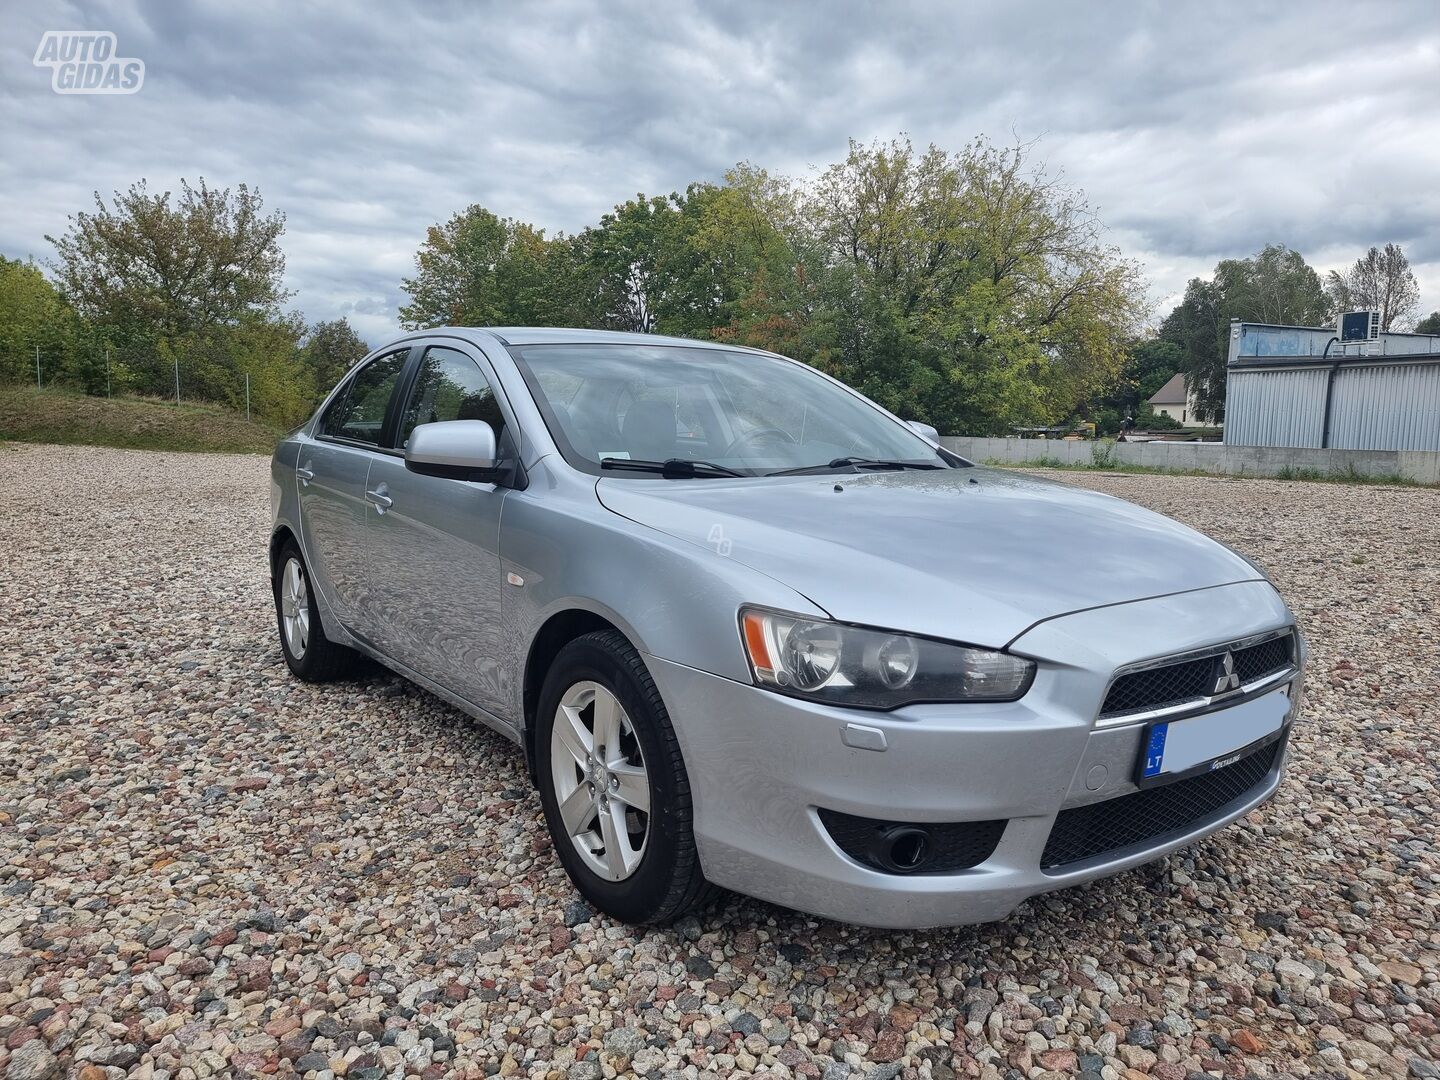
(1155, 752)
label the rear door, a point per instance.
(331, 474)
(434, 543)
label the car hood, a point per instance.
(972, 554)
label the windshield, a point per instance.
(745, 412)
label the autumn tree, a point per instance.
(1380, 280)
(764, 260)
(210, 257)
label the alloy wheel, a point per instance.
(601, 786)
(295, 608)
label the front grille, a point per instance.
(1264, 659)
(1147, 815)
(1193, 680)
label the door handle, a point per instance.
(305, 474)
(381, 501)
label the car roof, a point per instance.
(565, 335)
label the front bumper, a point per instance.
(761, 766)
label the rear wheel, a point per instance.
(613, 783)
(308, 652)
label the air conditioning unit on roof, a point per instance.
(1358, 326)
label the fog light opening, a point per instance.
(907, 849)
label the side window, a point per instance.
(360, 413)
(330, 422)
(450, 386)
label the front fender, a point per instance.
(671, 598)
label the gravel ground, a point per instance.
(212, 869)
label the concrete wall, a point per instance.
(1420, 466)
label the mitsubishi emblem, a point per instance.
(1226, 678)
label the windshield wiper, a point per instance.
(856, 463)
(671, 468)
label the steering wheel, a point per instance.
(756, 436)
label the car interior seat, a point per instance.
(648, 430)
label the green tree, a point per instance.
(215, 362)
(984, 296)
(1275, 285)
(718, 261)
(1150, 364)
(32, 315)
(330, 350)
(152, 270)
(478, 269)
(269, 352)
(1429, 325)
(765, 260)
(646, 268)
(1380, 280)
(971, 290)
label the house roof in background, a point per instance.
(1172, 393)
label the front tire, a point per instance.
(613, 784)
(309, 654)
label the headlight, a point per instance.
(876, 669)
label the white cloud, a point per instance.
(1201, 132)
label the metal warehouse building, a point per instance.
(1301, 386)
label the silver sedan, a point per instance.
(754, 632)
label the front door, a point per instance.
(434, 564)
(331, 473)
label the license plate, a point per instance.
(1205, 743)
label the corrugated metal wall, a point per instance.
(1374, 407)
(1388, 407)
(1274, 408)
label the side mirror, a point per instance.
(924, 429)
(454, 449)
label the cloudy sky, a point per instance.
(1200, 130)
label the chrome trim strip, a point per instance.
(1208, 703)
(1199, 654)
(1196, 706)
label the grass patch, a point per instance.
(1347, 475)
(59, 416)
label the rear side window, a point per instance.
(359, 413)
(450, 386)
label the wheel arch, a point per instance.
(278, 539)
(554, 634)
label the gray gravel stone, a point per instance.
(745, 1024)
(577, 912)
(625, 1040)
(217, 870)
(689, 928)
(32, 1061)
